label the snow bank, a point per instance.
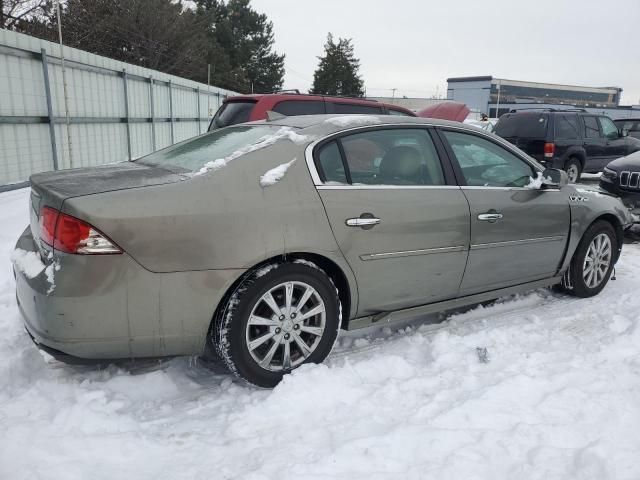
(353, 120)
(558, 399)
(282, 133)
(536, 183)
(273, 176)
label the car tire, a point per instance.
(255, 341)
(592, 261)
(573, 167)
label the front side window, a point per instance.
(383, 157)
(609, 129)
(484, 163)
(591, 128)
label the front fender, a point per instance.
(588, 204)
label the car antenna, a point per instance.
(271, 116)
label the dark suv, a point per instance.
(574, 140)
(247, 108)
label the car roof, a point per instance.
(327, 124)
(310, 96)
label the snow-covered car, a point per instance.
(264, 239)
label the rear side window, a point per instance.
(232, 113)
(292, 108)
(331, 164)
(399, 112)
(523, 125)
(591, 128)
(355, 108)
(392, 157)
(567, 127)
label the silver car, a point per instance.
(263, 240)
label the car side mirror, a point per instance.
(623, 132)
(554, 178)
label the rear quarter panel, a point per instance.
(222, 219)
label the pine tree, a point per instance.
(337, 72)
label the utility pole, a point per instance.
(208, 90)
(498, 102)
(64, 85)
(393, 94)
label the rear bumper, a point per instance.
(109, 307)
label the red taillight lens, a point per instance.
(48, 219)
(549, 150)
(71, 235)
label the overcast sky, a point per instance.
(415, 45)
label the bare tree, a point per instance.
(13, 12)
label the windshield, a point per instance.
(192, 155)
(523, 125)
(232, 113)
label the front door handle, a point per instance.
(490, 217)
(366, 221)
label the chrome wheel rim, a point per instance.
(597, 261)
(572, 173)
(285, 326)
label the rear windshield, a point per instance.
(232, 113)
(191, 155)
(523, 125)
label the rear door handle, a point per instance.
(362, 222)
(489, 217)
(365, 221)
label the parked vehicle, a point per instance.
(622, 178)
(248, 108)
(630, 126)
(573, 140)
(300, 227)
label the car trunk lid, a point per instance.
(51, 189)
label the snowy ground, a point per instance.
(558, 399)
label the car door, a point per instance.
(615, 143)
(399, 220)
(518, 234)
(594, 144)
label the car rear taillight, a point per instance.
(70, 235)
(549, 150)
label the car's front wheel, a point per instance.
(279, 317)
(593, 261)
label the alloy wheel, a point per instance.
(597, 260)
(285, 326)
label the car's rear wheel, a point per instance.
(280, 317)
(593, 261)
(574, 169)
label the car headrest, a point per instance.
(402, 163)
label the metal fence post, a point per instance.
(153, 120)
(198, 102)
(171, 113)
(47, 90)
(126, 111)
